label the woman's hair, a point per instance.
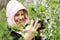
(24, 12)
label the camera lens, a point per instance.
(42, 24)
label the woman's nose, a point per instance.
(20, 17)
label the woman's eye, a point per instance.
(17, 15)
(22, 14)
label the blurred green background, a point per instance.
(41, 9)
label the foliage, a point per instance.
(52, 11)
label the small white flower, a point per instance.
(50, 34)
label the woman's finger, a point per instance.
(36, 23)
(31, 24)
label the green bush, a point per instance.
(51, 32)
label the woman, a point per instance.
(16, 13)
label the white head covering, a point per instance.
(12, 7)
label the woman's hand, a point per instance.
(31, 29)
(33, 26)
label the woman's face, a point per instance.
(20, 16)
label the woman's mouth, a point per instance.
(22, 20)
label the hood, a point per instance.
(12, 7)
